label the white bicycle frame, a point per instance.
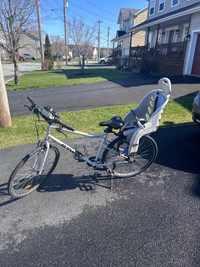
(94, 163)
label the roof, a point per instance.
(32, 34)
(126, 13)
(119, 35)
(165, 17)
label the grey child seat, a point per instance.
(146, 117)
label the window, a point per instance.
(131, 23)
(152, 7)
(161, 5)
(175, 2)
(121, 26)
(125, 26)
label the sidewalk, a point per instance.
(8, 69)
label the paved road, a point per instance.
(76, 97)
(8, 69)
(75, 220)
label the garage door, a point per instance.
(196, 62)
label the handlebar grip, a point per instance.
(66, 126)
(31, 100)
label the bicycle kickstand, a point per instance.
(111, 174)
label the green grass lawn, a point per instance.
(38, 78)
(177, 112)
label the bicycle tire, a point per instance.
(133, 164)
(20, 185)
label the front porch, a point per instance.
(163, 58)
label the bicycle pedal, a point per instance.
(110, 172)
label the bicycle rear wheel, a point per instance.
(28, 176)
(130, 165)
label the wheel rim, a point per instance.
(127, 166)
(26, 177)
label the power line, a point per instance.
(59, 10)
(101, 9)
(53, 10)
(105, 27)
(90, 12)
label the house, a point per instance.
(172, 38)
(30, 43)
(127, 19)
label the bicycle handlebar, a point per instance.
(31, 100)
(47, 113)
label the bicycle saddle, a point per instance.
(115, 122)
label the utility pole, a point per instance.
(65, 5)
(108, 41)
(40, 34)
(5, 119)
(99, 38)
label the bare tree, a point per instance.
(15, 16)
(57, 45)
(82, 37)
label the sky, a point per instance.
(91, 11)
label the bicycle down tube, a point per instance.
(76, 152)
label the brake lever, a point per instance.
(33, 108)
(29, 108)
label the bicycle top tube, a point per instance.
(80, 133)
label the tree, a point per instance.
(58, 49)
(48, 56)
(5, 119)
(83, 37)
(15, 16)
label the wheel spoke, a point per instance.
(26, 178)
(135, 163)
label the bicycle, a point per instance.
(131, 152)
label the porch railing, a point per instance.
(162, 52)
(172, 54)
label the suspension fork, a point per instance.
(45, 144)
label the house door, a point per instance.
(171, 36)
(196, 61)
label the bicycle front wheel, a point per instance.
(124, 165)
(29, 174)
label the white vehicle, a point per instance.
(103, 60)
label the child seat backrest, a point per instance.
(146, 117)
(149, 106)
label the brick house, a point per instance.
(172, 38)
(127, 19)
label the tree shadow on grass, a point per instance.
(105, 73)
(186, 101)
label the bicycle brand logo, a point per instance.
(68, 148)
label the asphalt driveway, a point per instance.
(75, 220)
(87, 96)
